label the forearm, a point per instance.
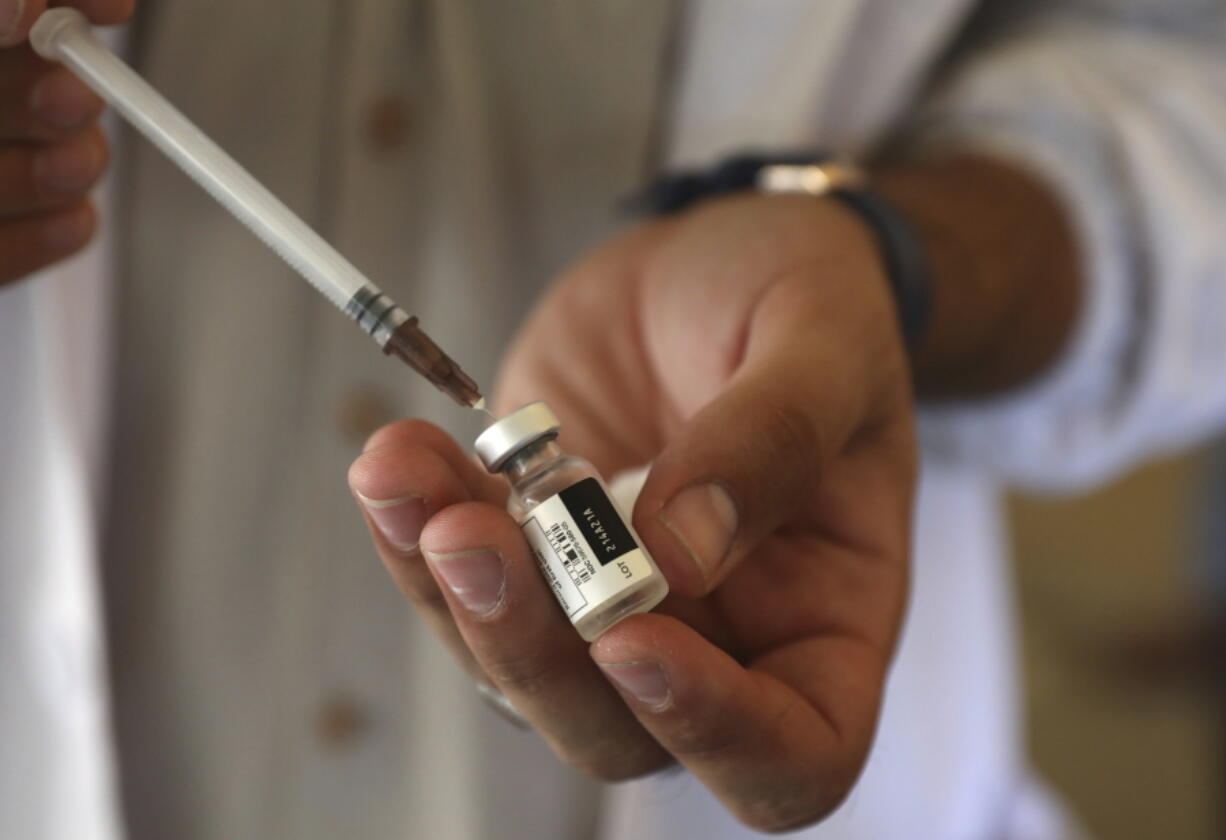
(1005, 269)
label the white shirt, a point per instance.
(245, 607)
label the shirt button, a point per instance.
(341, 722)
(360, 412)
(387, 124)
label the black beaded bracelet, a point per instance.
(906, 264)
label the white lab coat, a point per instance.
(240, 592)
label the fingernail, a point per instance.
(63, 101)
(10, 18)
(399, 520)
(704, 519)
(476, 578)
(67, 230)
(645, 681)
(68, 169)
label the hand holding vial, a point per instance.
(749, 352)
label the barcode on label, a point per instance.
(570, 554)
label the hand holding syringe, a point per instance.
(64, 35)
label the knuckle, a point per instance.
(791, 435)
(775, 817)
(788, 440)
(790, 806)
(694, 745)
(527, 674)
(697, 737)
(619, 759)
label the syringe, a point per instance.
(64, 35)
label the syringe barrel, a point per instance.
(63, 34)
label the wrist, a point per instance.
(979, 254)
(1004, 257)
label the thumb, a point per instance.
(747, 462)
(16, 18)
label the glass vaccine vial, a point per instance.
(588, 552)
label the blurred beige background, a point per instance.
(1123, 714)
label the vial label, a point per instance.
(584, 547)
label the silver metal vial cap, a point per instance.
(512, 433)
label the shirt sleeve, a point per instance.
(1123, 114)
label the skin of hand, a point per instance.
(52, 149)
(749, 350)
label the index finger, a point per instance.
(480, 484)
(17, 16)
